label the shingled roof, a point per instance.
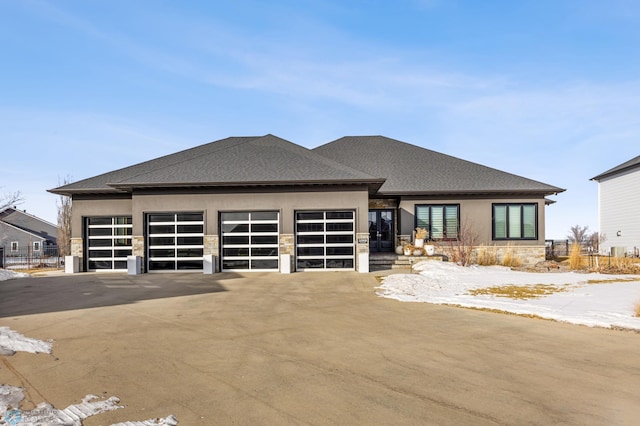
(409, 169)
(236, 161)
(388, 166)
(627, 165)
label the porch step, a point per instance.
(394, 261)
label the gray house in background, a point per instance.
(618, 205)
(266, 204)
(20, 231)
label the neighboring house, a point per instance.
(266, 204)
(618, 205)
(20, 231)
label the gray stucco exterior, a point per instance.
(337, 185)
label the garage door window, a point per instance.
(108, 242)
(175, 241)
(250, 241)
(325, 240)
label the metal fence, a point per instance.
(27, 259)
(555, 248)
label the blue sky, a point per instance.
(549, 90)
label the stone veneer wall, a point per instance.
(526, 255)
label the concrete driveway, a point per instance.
(307, 348)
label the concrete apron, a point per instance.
(313, 348)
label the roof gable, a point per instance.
(627, 165)
(410, 169)
(28, 222)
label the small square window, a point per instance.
(14, 246)
(36, 246)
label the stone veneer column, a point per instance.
(137, 246)
(287, 246)
(211, 245)
(77, 251)
(137, 249)
(76, 247)
(362, 252)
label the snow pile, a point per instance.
(8, 275)
(167, 421)
(45, 414)
(73, 415)
(589, 299)
(10, 397)
(12, 342)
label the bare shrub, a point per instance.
(461, 249)
(486, 256)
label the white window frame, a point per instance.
(15, 246)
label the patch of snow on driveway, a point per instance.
(11, 342)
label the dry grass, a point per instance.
(486, 256)
(520, 292)
(576, 260)
(637, 309)
(510, 259)
(618, 265)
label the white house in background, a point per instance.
(619, 207)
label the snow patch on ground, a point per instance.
(11, 342)
(609, 303)
(8, 275)
(45, 414)
(166, 421)
(73, 415)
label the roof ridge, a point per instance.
(248, 139)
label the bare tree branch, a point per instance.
(64, 221)
(11, 199)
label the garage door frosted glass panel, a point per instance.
(325, 240)
(175, 241)
(108, 242)
(250, 241)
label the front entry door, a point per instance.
(381, 230)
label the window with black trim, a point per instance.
(442, 221)
(515, 221)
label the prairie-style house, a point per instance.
(265, 204)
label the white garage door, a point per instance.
(108, 242)
(250, 241)
(325, 240)
(175, 241)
